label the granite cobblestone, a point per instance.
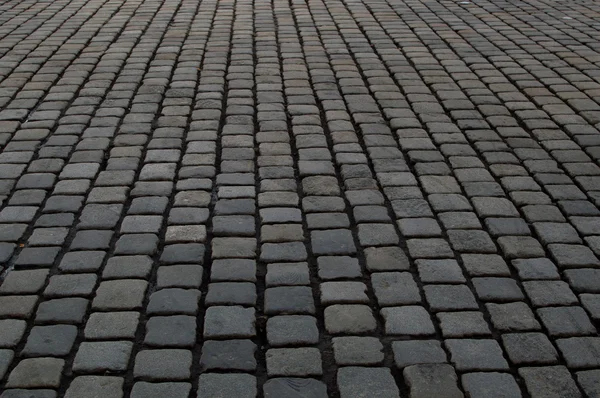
(338, 198)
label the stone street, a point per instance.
(299, 198)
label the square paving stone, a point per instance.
(580, 352)
(460, 220)
(294, 387)
(377, 235)
(553, 232)
(102, 356)
(471, 354)
(331, 242)
(292, 330)
(6, 358)
(288, 251)
(419, 227)
(241, 293)
(91, 240)
(529, 348)
(143, 389)
(338, 267)
(589, 380)
(55, 341)
(174, 301)
(17, 306)
(494, 207)
(440, 271)
(229, 322)
(184, 276)
(36, 373)
(343, 292)
(227, 385)
(490, 385)
(395, 288)
(354, 382)
(112, 325)
(573, 256)
(70, 285)
(485, 265)
(471, 241)
(549, 382)
(450, 297)
(123, 294)
(287, 274)
(566, 321)
(233, 269)
(432, 380)
(289, 300)
(95, 387)
(11, 332)
(349, 319)
(512, 317)
(229, 355)
(429, 248)
(141, 224)
(185, 234)
(536, 268)
(354, 350)
(407, 320)
(584, 280)
(520, 247)
(234, 248)
(84, 261)
(386, 259)
(137, 244)
(23, 282)
(547, 293)
(414, 352)
(497, 289)
(183, 253)
(507, 226)
(163, 364)
(591, 302)
(120, 267)
(463, 324)
(305, 361)
(173, 331)
(48, 236)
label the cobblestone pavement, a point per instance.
(322, 198)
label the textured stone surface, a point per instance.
(299, 199)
